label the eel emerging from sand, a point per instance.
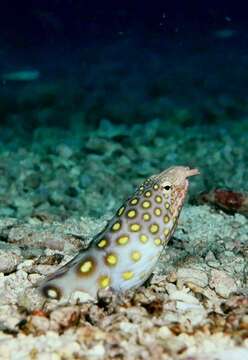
(125, 253)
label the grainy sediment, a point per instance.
(195, 306)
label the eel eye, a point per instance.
(167, 187)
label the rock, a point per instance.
(56, 198)
(180, 295)
(25, 265)
(7, 212)
(80, 297)
(164, 332)
(85, 180)
(40, 324)
(222, 283)
(128, 327)
(96, 352)
(197, 277)
(30, 299)
(32, 181)
(174, 344)
(5, 225)
(9, 318)
(64, 317)
(64, 151)
(8, 262)
(34, 278)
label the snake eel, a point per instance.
(124, 254)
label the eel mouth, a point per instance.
(192, 172)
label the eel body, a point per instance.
(125, 253)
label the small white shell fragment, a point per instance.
(194, 316)
(8, 263)
(195, 276)
(24, 265)
(183, 306)
(128, 327)
(97, 352)
(80, 297)
(180, 295)
(222, 283)
(164, 332)
(236, 353)
(40, 323)
(62, 317)
(171, 288)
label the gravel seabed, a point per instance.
(196, 304)
(60, 184)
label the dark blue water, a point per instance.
(127, 61)
(104, 94)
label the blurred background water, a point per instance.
(97, 96)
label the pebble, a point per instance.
(30, 299)
(64, 151)
(128, 327)
(97, 352)
(32, 181)
(40, 323)
(25, 265)
(63, 317)
(197, 277)
(222, 283)
(8, 262)
(80, 297)
(174, 344)
(164, 332)
(183, 296)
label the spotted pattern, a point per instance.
(158, 199)
(166, 219)
(148, 194)
(130, 244)
(134, 201)
(146, 216)
(102, 243)
(127, 275)
(157, 211)
(143, 238)
(122, 240)
(135, 256)
(154, 228)
(166, 232)
(146, 204)
(157, 241)
(86, 267)
(116, 226)
(52, 292)
(131, 214)
(135, 227)
(121, 211)
(104, 282)
(111, 259)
